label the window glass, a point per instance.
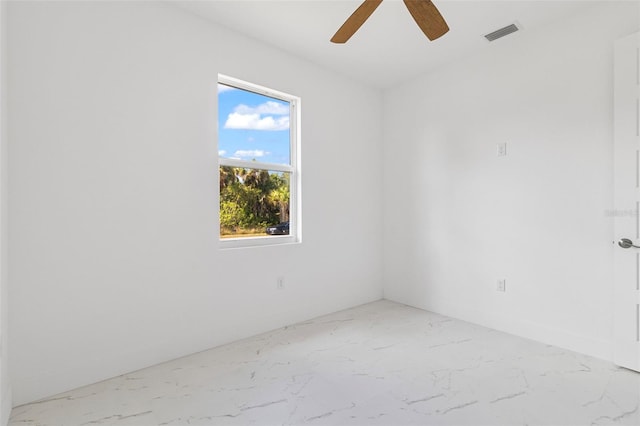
(253, 126)
(253, 202)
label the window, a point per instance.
(258, 150)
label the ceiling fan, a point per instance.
(424, 13)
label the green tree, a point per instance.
(279, 196)
(251, 199)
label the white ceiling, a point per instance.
(389, 48)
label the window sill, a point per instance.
(265, 241)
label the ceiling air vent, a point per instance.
(502, 32)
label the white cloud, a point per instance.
(222, 152)
(271, 115)
(256, 122)
(253, 153)
(269, 107)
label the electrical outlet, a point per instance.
(280, 283)
(501, 285)
(501, 149)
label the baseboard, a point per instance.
(542, 333)
(45, 384)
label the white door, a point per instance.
(627, 202)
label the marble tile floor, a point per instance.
(378, 364)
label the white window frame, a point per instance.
(295, 217)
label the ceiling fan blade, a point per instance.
(427, 17)
(355, 21)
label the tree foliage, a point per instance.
(251, 199)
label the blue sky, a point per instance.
(252, 126)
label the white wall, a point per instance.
(457, 217)
(5, 387)
(114, 256)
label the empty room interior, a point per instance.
(324, 212)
